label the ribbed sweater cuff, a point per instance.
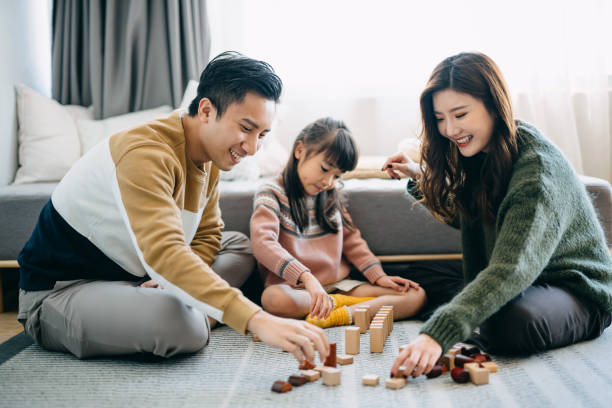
(293, 270)
(237, 314)
(446, 331)
(373, 272)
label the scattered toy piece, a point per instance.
(281, 386)
(478, 375)
(460, 360)
(460, 375)
(297, 380)
(306, 365)
(370, 379)
(436, 371)
(311, 375)
(489, 365)
(330, 361)
(351, 340)
(331, 376)
(395, 383)
(344, 359)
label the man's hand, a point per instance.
(419, 357)
(400, 164)
(294, 336)
(396, 283)
(320, 302)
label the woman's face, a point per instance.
(464, 120)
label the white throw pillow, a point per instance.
(91, 132)
(272, 158)
(48, 140)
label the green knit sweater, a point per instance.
(546, 231)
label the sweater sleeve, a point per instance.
(144, 186)
(529, 229)
(207, 241)
(357, 252)
(265, 226)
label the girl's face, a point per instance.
(315, 173)
(464, 120)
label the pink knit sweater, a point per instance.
(283, 253)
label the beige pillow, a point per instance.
(48, 140)
(91, 132)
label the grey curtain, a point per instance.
(127, 55)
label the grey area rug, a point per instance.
(233, 371)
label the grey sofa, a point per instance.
(388, 218)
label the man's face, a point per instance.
(238, 132)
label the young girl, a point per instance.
(535, 259)
(305, 242)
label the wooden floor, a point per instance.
(9, 326)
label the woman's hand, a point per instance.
(298, 337)
(400, 164)
(418, 357)
(320, 302)
(396, 283)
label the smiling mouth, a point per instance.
(464, 140)
(235, 155)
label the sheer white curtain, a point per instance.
(366, 63)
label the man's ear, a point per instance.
(206, 110)
(300, 150)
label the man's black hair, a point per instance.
(229, 76)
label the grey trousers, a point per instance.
(542, 317)
(102, 318)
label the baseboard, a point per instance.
(10, 264)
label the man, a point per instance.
(142, 205)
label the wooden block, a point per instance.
(395, 383)
(389, 311)
(256, 338)
(370, 379)
(351, 340)
(362, 319)
(306, 365)
(281, 386)
(330, 361)
(377, 339)
(344, 359)
(319, 368)
(331, 376)
(460, 360)
(444, 361)
(297, 380)
(473, 365)
(450, 359)
(479, 375)
(454, 350)
(311, 375)
(491, 366)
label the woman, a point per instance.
(537, 269)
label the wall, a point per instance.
(25, 50)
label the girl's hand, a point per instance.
(400, 164)
(320, 302)
(419, 357)
(397, 283)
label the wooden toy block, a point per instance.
(460, 375)
(454, 350)
(361, 317)
(297, 380)
(281, 386)
(256, 338)
(491, 366)
(330, 361)
(472, 365)
(319, 368)
(380, 320)
(370, 379)
(395, 383)
(450, 359)
(389, 311)
(478, 375)
(311, 375)
(436, 371)
(344, 359)
(481, 357)
(351, 340)
(377, 339)
(460, 360)
(306, 365)
(444, 361)
(331, 376)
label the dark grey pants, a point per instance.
(542, 317)
(100, 318)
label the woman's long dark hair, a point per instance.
(471, 186)
(332, 137)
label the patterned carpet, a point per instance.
(233, 371)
